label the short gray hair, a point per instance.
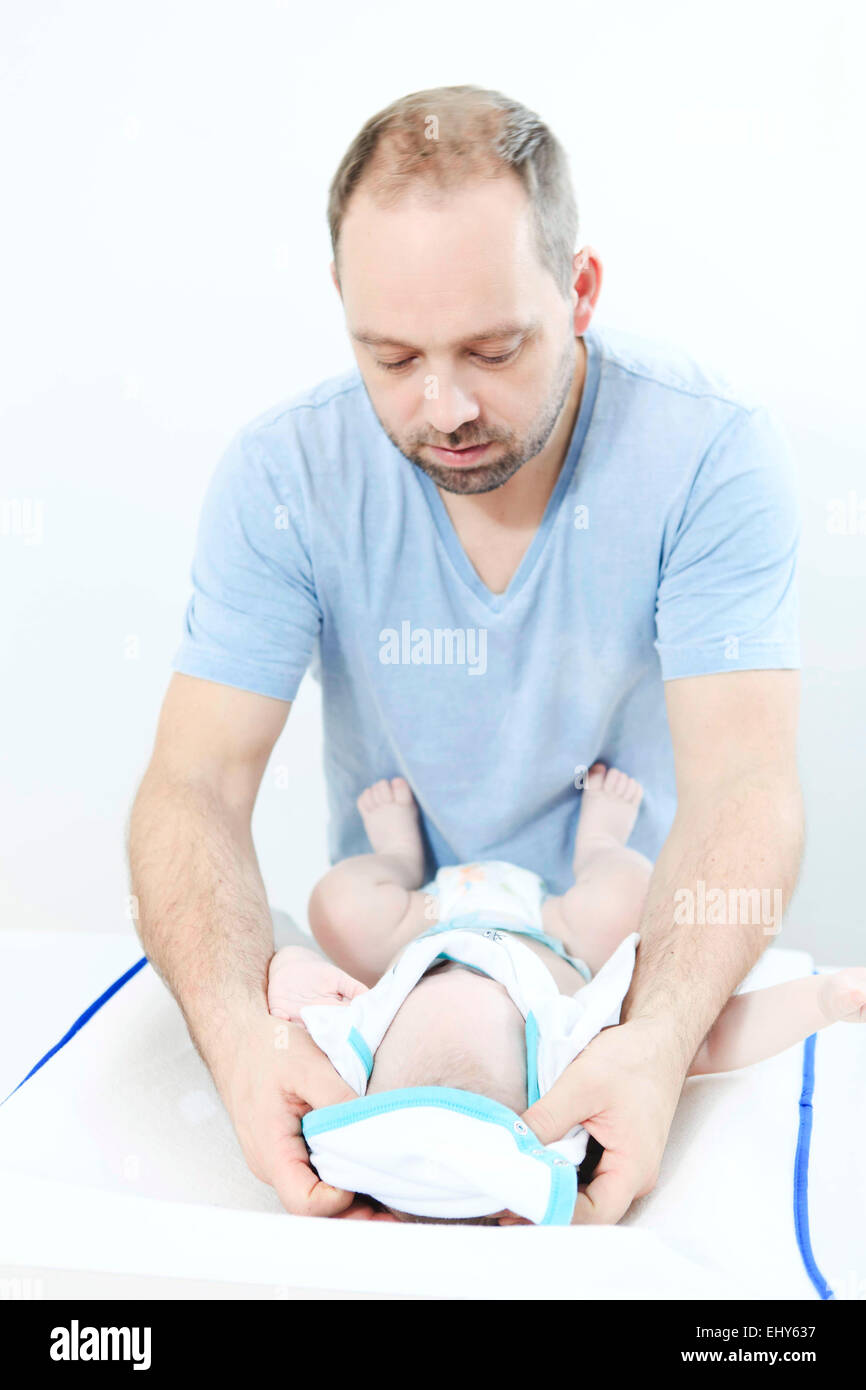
(445, 137)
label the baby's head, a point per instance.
(457, 1028)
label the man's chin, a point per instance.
(485, 478)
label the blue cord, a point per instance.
(801, 1170)
(81, 1020)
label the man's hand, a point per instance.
(623, 1088)
(278, 1076)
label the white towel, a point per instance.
(117, 1155)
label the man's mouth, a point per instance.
(460, 458)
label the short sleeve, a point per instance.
(727, 596)
(254, 616)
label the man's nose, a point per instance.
(447, 406)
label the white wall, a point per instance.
(164, 265)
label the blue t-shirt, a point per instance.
(668, 548)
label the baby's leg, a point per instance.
(365, 908)
(763, 1022)
(605, 904)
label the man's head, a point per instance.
(453, 227)
(457, 1028)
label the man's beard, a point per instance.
(488, 476)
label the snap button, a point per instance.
(520, 1127)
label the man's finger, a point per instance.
(302, 1193)
(313, 1082)
(362, 1211)
(607, 1198)
(299, 1188)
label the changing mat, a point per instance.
(116, 1155)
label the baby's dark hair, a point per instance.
(436, 1220)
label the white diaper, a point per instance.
(499, 890)
(500, 894)
(444, 1152)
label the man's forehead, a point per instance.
(464, 245)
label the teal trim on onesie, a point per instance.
(533, 1090)
(363, 1051)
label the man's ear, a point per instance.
(334, 278)
(587, 271)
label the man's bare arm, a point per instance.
(203, 914)
(739, 824)
(205, 924)
(738, 827)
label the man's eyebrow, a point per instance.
(506, 329)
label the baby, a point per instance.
(459, 1027)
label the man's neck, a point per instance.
(521, 501)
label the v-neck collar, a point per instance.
(445, 526)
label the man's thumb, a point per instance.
(558, 1110)
(322, 1083)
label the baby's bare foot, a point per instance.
(390, 818)
(843, 995)
(608, 810)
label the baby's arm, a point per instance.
(763, 1022)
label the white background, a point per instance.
(164, 267)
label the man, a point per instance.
(509, 545)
